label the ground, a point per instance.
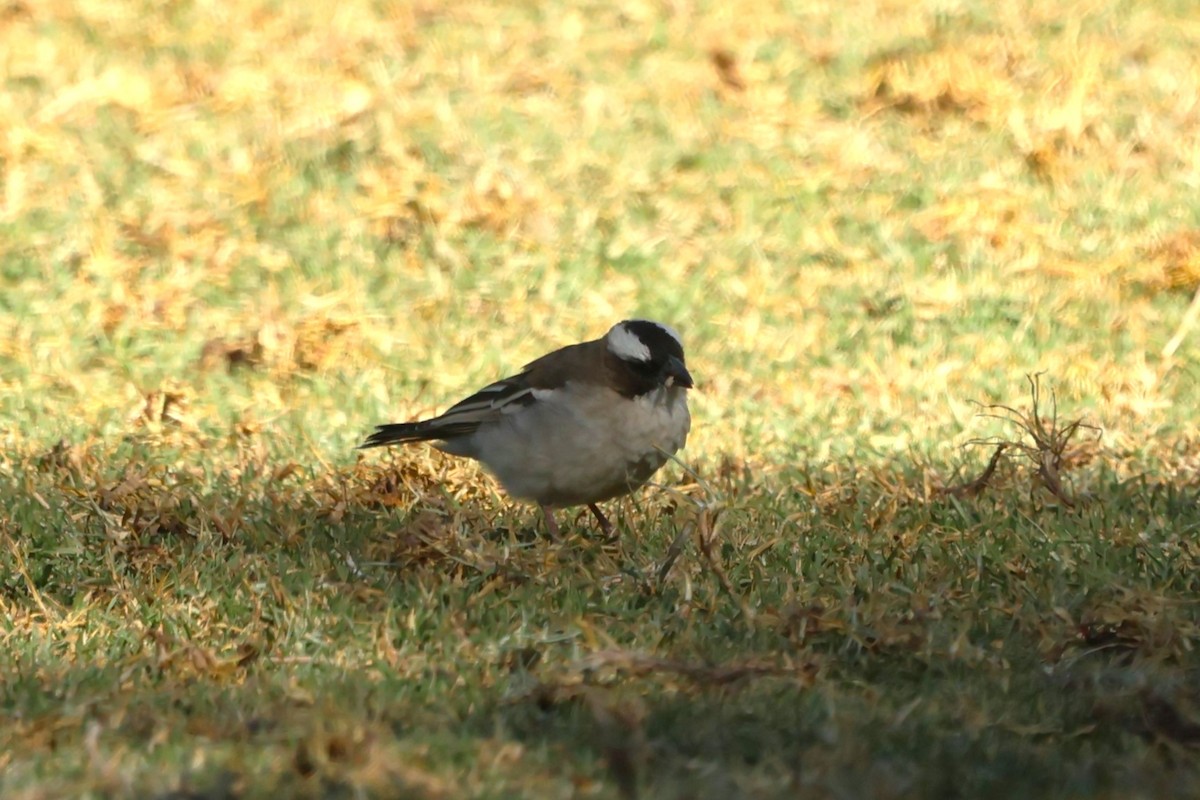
(934, 533)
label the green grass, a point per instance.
(234, 237)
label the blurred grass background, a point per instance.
(234, 236)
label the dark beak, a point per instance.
(677, 370)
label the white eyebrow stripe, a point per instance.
(625, 344)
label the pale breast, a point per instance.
(582, 445)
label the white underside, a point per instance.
(579, 445)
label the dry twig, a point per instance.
(974, 487)
(1051, 451)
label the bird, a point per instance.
(586, 423)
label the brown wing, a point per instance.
(577, 362)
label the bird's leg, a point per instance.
(605, 526)
(551, 525)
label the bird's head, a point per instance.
(649, 356)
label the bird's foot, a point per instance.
(606, 527)
(551, 525)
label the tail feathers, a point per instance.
(427, 430)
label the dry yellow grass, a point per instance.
(177, 174)
(235, 235)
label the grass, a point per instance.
(233, 237)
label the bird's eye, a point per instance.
(645, 367)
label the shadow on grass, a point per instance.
(367, 629)
(953, 731)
